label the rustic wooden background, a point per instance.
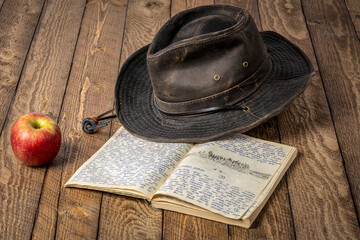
(62, 58)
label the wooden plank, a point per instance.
(181, 226)
(339, 64)
(18, 21)
(41, 89)
(128, 218)
(353, 7)
(178, 6)
(89, 92)
(1, 3)
(134, 218)
(319, 192)
(274, 221)
(250, 5)
(277, 212)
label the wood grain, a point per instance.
(178, 6)
(89, 92)
(41, 89)
(36, 54)
(275, 220)
(18, 21)
(277, 212)
(353, 7)
(128, 218)
(181, 226)
(339, 64)
(1, 3)
(133, 218)
(320, 198)
(249, 5)
(144, 18)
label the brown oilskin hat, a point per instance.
(208, 73)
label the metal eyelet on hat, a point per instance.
(216, 77)
(245, 64)
(246, 109)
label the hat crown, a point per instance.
(205, 58)
(202, 25)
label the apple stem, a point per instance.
(35, 124)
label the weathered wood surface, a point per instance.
(62, 59)
(353, 7)
(278, 211)
(307, 125)
(339, 65)
(138, 220)
(41, 89)
(180, 226)
(89, 92)
(18, 21)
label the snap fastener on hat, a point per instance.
(216, 77)
(246, 109)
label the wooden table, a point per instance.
(62, 58)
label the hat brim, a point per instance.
(291, 72)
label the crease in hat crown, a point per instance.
(206, 59)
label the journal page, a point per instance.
(128, 163)
(226, 176)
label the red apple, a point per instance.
(35, 139)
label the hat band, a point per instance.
(206, 110)
(217, 102)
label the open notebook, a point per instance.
(227, 180)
